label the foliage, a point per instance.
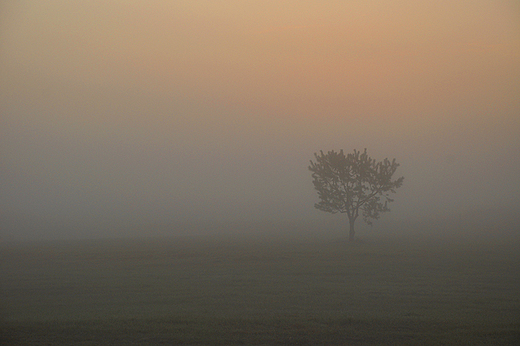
(354, 183)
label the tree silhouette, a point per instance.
(354, 183)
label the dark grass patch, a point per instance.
(272, 293)
(280, 331)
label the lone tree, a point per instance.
(354, 183)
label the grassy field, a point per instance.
(200, 291)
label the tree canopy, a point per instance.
(354, 183)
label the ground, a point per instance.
(220, 291)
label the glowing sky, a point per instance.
(212, 109)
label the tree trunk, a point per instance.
(351, 231)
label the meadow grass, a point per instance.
(260, 292)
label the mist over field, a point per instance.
(135, 119)
(155, 184)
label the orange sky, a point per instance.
(407, 79)
(300, 59)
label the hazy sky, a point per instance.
(211, 110)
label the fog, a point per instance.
(134, 118)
